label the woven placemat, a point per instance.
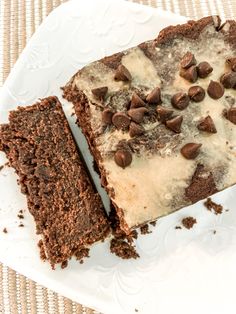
(18, 21)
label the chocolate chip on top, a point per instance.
(215, 90)
(191, 150)
(136, 101)
(196, 93)
(136, 129)
(232, 63)
(100, 92)
(207, 125)
(175, 123)
(189, 74)
(180, 101)
(122, 74)
(188, 60)
(164, 113)
(204, 69)
(121, 120)
(228, 79)
(137, 114)
(123, 158)
(154, 97)
(230, 114)
(107, 115)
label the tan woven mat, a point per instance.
(18, 21)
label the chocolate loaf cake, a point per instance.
(68, 213)
(160, 119)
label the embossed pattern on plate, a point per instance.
(179, 270)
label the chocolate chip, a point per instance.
(230, 114)
(136, 101)
(107, 115)
(232, 63)
(137, 114)
(207, 125)
(164, 113)
(204, 69)
(123, 158)
(188, 60)
(100, 92)
(191, 150)
(189, 74)
(135, 129)
(121, 120)
(215, 90)
(122, 74)
(180, 100)
(228, 79)
(196, 93)
(174, 124)
(154, 97)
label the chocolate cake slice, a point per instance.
(160, 119)
(68, 212)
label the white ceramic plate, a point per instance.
(179, 271)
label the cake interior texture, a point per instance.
(160, 119)
(68, 212)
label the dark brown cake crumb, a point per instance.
(214, 231)
(41, 250)
(20, 216)
(21, 225)
(81, 253)
(217, 208)
(134, 234)
(153, 223)
(5, 165)
(178, 227)
(64, 264)
(136, 310)
(4, 230)
(145, 229)
(188, 222)
(123, 249)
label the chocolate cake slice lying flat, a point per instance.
(160, 119)
(69, 214)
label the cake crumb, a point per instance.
(81, 261)
(217, 208)
(136, 310)
(214, 231)
(134, 234)
(21, 211)
(123, 249)
(20, 216)
(64, 264)
(21, 225)
(144, 229)
(81, 253)
(153, 223)
(188, 222)
(178, 227)
(5, 165)
(5, 230)
(42, 251)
